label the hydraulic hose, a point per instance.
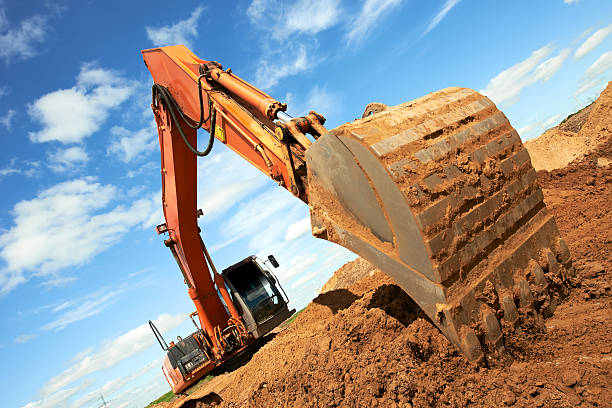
(161, 93)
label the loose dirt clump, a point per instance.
(366, 344)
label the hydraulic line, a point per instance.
(162, 92)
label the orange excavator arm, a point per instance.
(240, 116)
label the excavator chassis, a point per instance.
(440, 194)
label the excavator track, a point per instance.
(440, 194)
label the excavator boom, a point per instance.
(438, 192)
(229, 324)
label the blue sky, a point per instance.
(81, 268)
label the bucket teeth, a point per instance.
(511, 313)
(494, 334)
(440, 194)
(553, 265)
(525, 295)
(564, 253)
(537, 272)
(471, 346)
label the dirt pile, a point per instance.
(348, 274)
(576, 136)
(368, 344)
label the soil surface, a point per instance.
(364, 343)
(579, 134)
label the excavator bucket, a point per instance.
(440, 194)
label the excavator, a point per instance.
(439, 193)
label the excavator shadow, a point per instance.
(396, 303)
(337, 299)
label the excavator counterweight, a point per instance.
(439, 193)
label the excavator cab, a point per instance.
(262, 304)
(257, 294)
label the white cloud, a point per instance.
(336, 255)
(372, 13)
(180, 33)
(441, 14)
(143, 394)
(319, 99)
(148, 168)
(297, 266)
(583, 35)
(549, 68)
(571, 1)
(263, 219)
(304, 279)
(59, 281)
(83, 308)
(32, 169)
(528, 131)
(257, 10)
(5, 171)
(280, 65)
(301, 17)
(112, 352)
(24, 338)
(8, 118)
(538, 127)
(594, 75)
(3, 19)
(288, 43)
(323, 101)
(112, 386)
(508, 84)
(59, 398)
(66, 159)
(129, 145)
(298, 229)
(71, 115)
(3, 89)
(310, 16)
(551, 121)
(10, 168)
(20, 42)
(593, 41)
(67, 225)
(219, 189)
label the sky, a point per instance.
(81, 267)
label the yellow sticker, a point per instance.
(219, 133)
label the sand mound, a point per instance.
(555, 148)
(576, 136)
(348, 274)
